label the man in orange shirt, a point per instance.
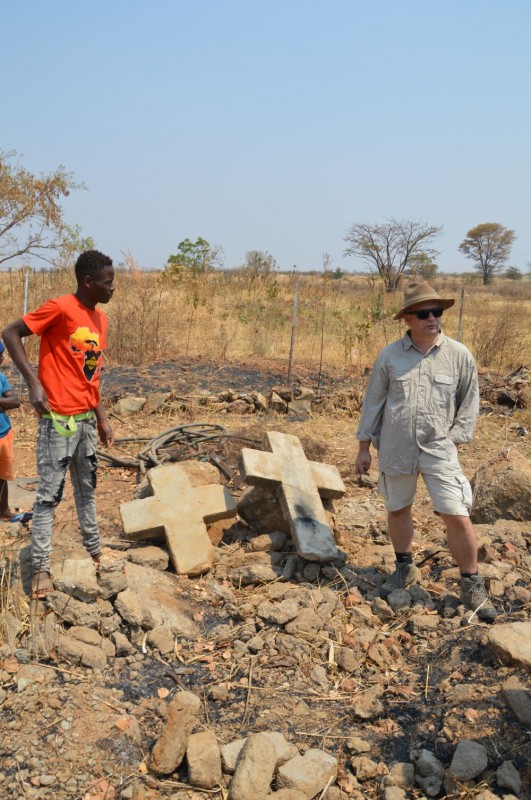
(65, 394)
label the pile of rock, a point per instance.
(512, 390)
(260, 765)
(296, 402)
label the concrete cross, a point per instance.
(300, 485)
(179, 512)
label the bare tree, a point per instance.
(31, 217)
(388, 248)
(489, 246)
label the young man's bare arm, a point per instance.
(105, 431)
(12, 336)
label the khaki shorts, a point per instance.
(449, 489)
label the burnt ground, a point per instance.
(442, 687)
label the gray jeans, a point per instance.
(55, 455)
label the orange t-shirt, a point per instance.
(73, 339)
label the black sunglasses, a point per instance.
(424, 313)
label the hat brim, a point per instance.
(442, 302)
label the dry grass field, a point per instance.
(231, 316)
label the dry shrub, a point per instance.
(341, 323)
(499, 338)
(140, 315)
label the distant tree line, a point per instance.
(32, 225)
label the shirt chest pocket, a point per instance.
(399, 388)
(443, 387)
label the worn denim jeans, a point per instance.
(55, 455)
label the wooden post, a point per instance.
(460, 313)
(293, 329)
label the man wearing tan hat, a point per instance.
(422, 401)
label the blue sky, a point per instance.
(274, 126)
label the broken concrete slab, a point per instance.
(179, 511)
(301, 484)
(151, 600)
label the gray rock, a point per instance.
(155, 401)
(149, 556)
(428, 764)
(80, 652)
(309, 773)
(470, 759)
(508, 777)
(76, 577)
(307, 621)
(254, 769)
(171, 745)
(151, 600)
(368, 705)
(11, 627)
(512, 643)
(162, 639)
(399, 600)
(424, 623)
(127, 406)
(401, 774)
(268, 541)
(251, 574)
(519, 699)
(278, 613)
(229, 755)
(122, 644)
(111, 576)
(394, 793)
(357, 745)
(204, 760)
(72, 611)
(365, 768)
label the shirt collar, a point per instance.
(407, 342)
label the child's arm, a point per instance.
(9, 400)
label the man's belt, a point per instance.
(67, 425)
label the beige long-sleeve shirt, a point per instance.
(418, 401)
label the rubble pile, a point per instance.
(296, 402)
(265, 673)
(513, 390)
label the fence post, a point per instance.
(293, 329)
(460, 313)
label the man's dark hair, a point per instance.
(91, 261)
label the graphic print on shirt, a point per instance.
(87, 342)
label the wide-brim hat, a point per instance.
(420, 292)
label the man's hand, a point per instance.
(105, 432)
(38, 397)
(364, 459)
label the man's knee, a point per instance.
(405, 511)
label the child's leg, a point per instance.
(4, 500)
(7, 472)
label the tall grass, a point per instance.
(233, 315)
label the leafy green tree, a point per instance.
(513, 274)
(489, 246)
(422, 265)
(31, 215)
(195, 257)
(388, 248)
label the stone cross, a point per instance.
(179, 512)
(300, 485)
